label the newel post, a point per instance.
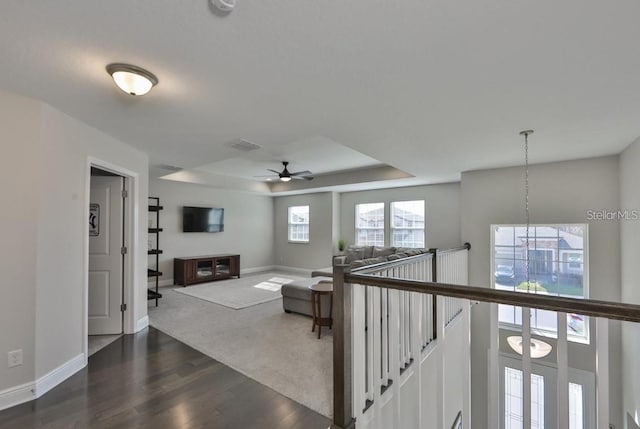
(434, 279)
(342, 370)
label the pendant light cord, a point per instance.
(526, 203)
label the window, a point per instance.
(370, 224)
(407, 223)
(299, 224)
(557, 255)
(576, 401)
(544, 395)
(513, 412)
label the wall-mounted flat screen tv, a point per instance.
(202, 219)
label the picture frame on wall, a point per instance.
(94, 220)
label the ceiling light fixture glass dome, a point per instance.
(539, 348)
(132, 79)
(285, 179)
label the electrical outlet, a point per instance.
(15, 358)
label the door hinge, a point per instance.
(125, 194)
(123, 250)
(123, 307)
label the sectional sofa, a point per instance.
(296, 296)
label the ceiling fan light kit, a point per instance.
(286, 176)
(132, 79)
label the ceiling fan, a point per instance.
(285, 175)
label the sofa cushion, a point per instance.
(368, 252)
(368, 261)
(413, 252)
(300, 288)
(354, 254)
(393, 257)
(383, 251)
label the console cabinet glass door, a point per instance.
(223, 267)
(205, 268)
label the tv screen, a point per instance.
(202, 219)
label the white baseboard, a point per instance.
(29, 391)
(142, 323)
(257, 269)
(17, 395)
(165, 282)
(58, 375)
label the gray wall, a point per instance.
(319, 251)
(630, 254)
(332, 217)
(560, 193)
(442, 211)
(44, 230)
(248, 225)
(19, 122)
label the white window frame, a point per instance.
(292, 225)
(586, 339)
(392, 228)
(549, 372)
(358, 229)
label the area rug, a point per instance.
(241, 293)
(263, 342)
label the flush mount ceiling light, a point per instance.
(132, 79)
(539, 349)
(224, 5)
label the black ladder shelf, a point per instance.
(154, 249)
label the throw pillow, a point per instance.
(368, 252)
(354, 254)
(383, 251)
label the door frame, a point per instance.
(131, 234)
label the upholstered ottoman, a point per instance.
(296, 297)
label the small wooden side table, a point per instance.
(324, 287)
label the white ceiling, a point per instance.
(429, 87)
(319, 155)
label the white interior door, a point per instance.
(105, 257)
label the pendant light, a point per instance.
(538, 348)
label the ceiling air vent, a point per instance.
(244, 145)
(169, 167)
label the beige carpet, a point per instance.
(243, 292)
(263, 342)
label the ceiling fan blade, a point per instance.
(302, 173)
(277, 172)
(271, 176)
(302, 177)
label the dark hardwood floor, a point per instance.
(151, 380)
